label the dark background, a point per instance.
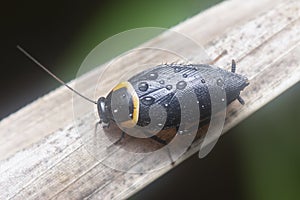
(258, 159)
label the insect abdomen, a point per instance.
(169, 90)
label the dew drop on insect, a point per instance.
(202, 81)
(177, 69)
(180, 132)
(115, 110)
(223, 99)
(130, 115)
(143, 86)
(169, 87)
(162, 82)
(220, 82)
(123, 95)
(153, 76)
(181, 85)
(184, 75)
(166, 105)
(160, 125)
(148, 100)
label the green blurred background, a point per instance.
(258, 159)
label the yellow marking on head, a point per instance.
(136, 104)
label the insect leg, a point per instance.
(96, 127)
(120, 139)
(241, 100)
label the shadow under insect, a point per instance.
(151, 141)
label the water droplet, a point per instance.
(181, 85)
(202, 106)
(177, 69)
(148, 100)
(160, 125)
(184, 75)
(115, 110)
(223, 99)
(153, 76)
(166, 105)
(130, 115)
(220, 82)
(143, 86)
(162, 82)
(197, 102)
(202, 81)
(123, 95)
(185, 131)
(169, 87)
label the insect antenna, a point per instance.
(54, 76)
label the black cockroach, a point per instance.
(129, 102)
